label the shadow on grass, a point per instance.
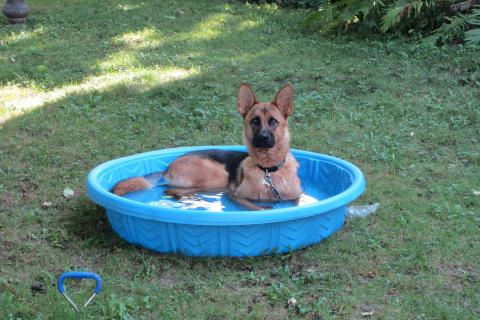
(203, 49)
(67, 44)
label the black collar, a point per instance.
(272, 169)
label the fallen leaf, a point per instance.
(12, 59)
(68, 193)
(371, 274)
(292, 302)
(366, 308)
(46, 204)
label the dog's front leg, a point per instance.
(178, 193)
(247, 203)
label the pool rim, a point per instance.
(110, 201)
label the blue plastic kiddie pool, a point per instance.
(212, 225)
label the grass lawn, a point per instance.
(89, 81)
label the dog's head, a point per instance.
(265, 123)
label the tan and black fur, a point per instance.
(240, 174)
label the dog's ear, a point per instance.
(245, 99)
(284, 100)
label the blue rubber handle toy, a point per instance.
(79, 275)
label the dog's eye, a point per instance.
(255, 121)
(272, 122)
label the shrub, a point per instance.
(444, 20)
(305, 4)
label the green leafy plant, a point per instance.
(290, 3)
(343, 15)
(461, 26)
(401, 10)
(118, 308)
(449, 20)
(472, 36)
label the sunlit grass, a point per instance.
(15, 100)
(138, 40)
(215, 26)
(131, 6)
(19, 34)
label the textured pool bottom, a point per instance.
(233, 232)
(237, 241)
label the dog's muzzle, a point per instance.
(263, 139)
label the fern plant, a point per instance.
(446, 20)
(401, 10)
(461, 26)
(473, 36)
(341, 15)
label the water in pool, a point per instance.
(217, 201)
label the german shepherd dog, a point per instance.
(268, 172)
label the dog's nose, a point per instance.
(264, 134)
(263, 139)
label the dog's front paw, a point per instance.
(173, 193)
(265, 208)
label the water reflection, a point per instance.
(208, 202)
(219, 202)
